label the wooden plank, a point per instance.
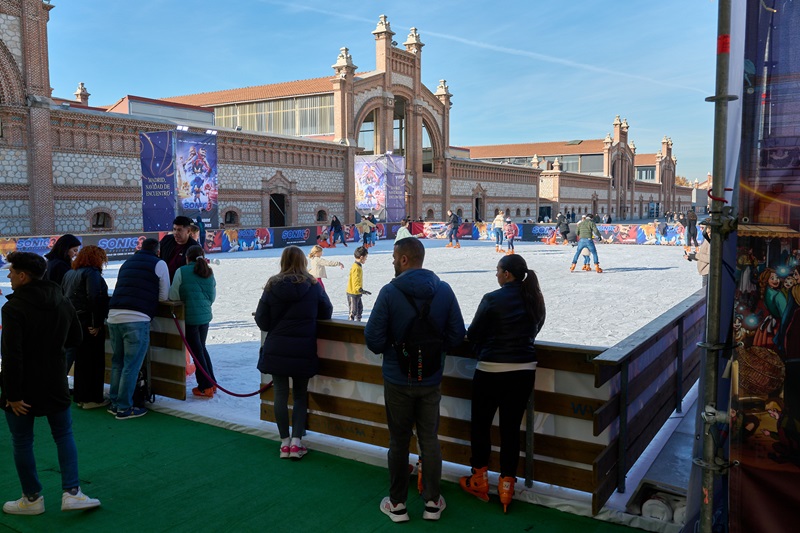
(604, 490)
(563, 448)
(567, 357)
(168, 372)
(457, 387)
(646, 377)
(352, 371)
(604, 373)
(557, 403)
(170, 341)
(165, 310)
(606, 415)
(606, 462)
(168, 389)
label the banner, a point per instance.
(765, 402)
(158, 180)
(380, 186)
(197, 183)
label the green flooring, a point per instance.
(161, 473)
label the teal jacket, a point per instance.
(196, 293)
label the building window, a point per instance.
(528, 212)
(102, 220)
(399, 127)
(429, 214)
(427, 150)
(231, 218)
(592, 164)
(322, 216)
(569, 163)
(460, 213)
(366, 135)
(303, 115)
(646, 173)
(518, 212)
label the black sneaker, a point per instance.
(133, 412)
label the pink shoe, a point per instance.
(285, 451)
(297, 452)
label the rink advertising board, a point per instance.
(299, 236)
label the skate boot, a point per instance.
(587, 268)
(572, 267)
(449, 245)
(505, 489)
(458, 245)
(496, 247)
(477, 484)
(597, 267)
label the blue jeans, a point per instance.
(129, 343)
(407, 406)
(452, 232)
(585, 243)
(21, 428)
(338, 235)
(498, 236)
(299, 409)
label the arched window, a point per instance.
(322, 216)
(427, 150)
(518, 212)
(366, 135)
(460, 213)
(496, 212)
(429, 214)
(102, 221)
(231, 218)
(528, 212)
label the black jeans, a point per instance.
(509, 392)
(196, 338)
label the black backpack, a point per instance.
(421, 350)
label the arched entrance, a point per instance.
(277, 210)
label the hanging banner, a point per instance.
(158, 180)
(380, 183)
(765, 403)
(197, 183)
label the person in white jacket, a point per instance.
(316, 264)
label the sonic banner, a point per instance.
(197, 183)
(158, 180)
(380, 183)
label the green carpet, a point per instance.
(161, 473)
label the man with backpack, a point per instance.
(416, 319)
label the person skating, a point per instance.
(511, 230)
(563, 227)
(585, 231)
(452, 224)
(497, 225)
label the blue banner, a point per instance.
(197, 182)
(158, 180)
(395, 187)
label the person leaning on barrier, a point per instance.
(174, 245)
(38, 323)
(504, 329)
(412, 403)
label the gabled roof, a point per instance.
(257, 93)
(591, 146)
(645, 160)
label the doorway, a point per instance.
(277, 210)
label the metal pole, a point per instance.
(719, 229)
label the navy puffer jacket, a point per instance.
(288, 312)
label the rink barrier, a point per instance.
(580, 426)
(167, 353)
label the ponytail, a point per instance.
(534, 300)
(201, 268)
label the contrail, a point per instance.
(496, 48)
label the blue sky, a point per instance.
(519, 71)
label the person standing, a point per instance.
(563, 227)
(691, 229)
(409, 403)
(452, 224)
(511, 231)
(195, 286)
(497, 225)
(337, 231)
(288, 311)
(86, 289)
(504, 328)
(586, 230)
(316, 264)
(38, 323)
(174, 245)
(201, 226)
(404, 232)
(60, 257)
(143, 281)
(355, 284)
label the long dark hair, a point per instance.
(195, 253)
(531, 291)
(62, 246)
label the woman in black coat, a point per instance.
(87, 290)
(59, 258)
(288, 311)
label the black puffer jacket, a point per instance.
(288, 312)
(87, 291)
(38, 324)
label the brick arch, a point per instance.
(226, 209)
(369, 106)
(12, 87)
(433, 130)
(92, 212)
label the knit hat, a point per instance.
(508, 220)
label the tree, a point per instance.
(682, 181)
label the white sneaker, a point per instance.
(433, 510)
(25, 506)
(398, 513)
(78, 501)
(94, 405)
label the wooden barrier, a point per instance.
(579, 423)
(167, 353)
